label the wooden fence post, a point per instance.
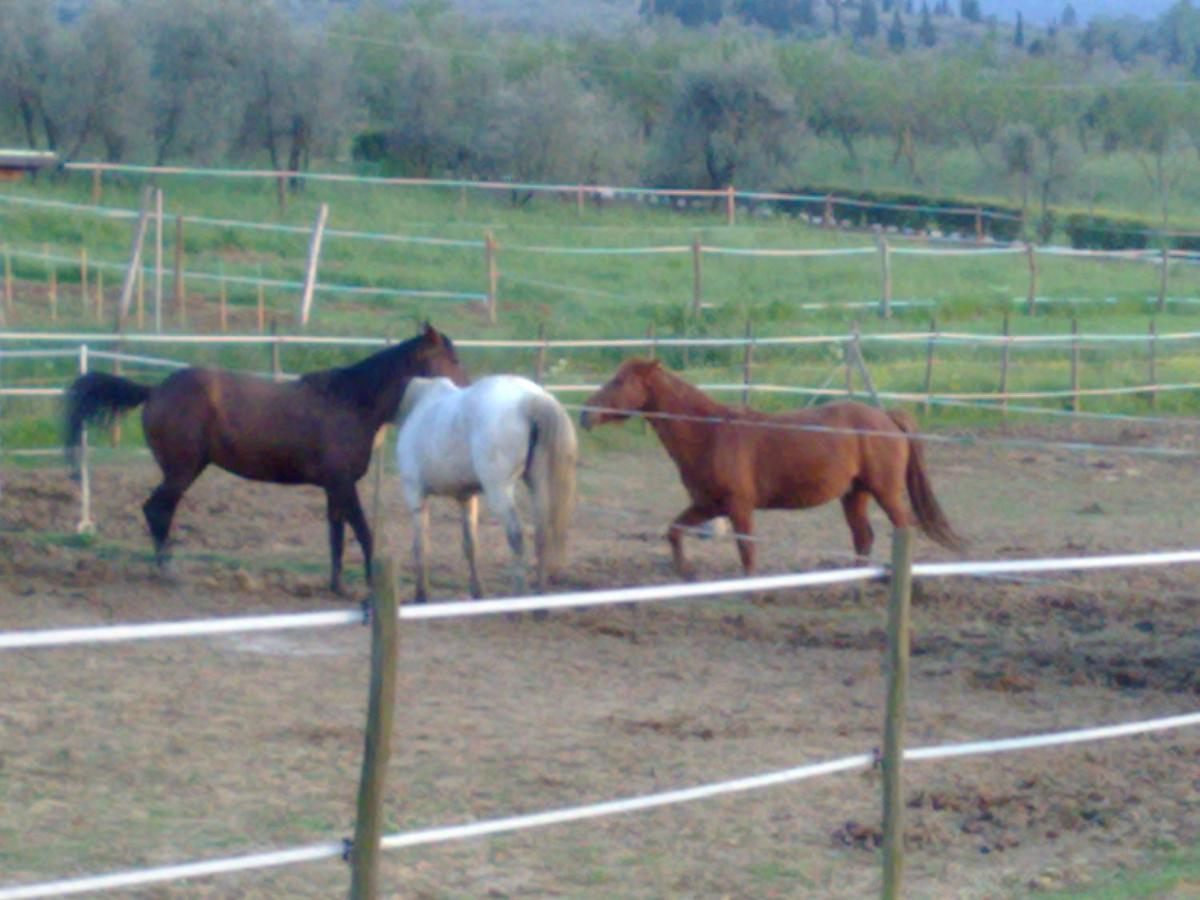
(1075, 364)
(314, 256)
(827, 213)
(281, 194)
(885, 269)
(979, 224)
(99, 311)
(697, 276)
(51, 284)
(539, 363)
(262, 304)
(490, 249)
(1162, 281)
(1004, 352)
(97, 187)
(929, 362)
(730, 206)
(180, 287)
(899, 601)
(141, 298)
(84, 300)
(381, 704)
(85, 524)
(747, 362)
(158, 259)
(1031, 257)
(8, 282)
(1152, 350)
(276, 367)
(135, 255)
(579, 200)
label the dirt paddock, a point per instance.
(132, 755)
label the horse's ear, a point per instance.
(431, 334)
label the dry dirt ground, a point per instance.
(131, 755)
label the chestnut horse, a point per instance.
(318, 429)
(734, 461)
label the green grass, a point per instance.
(593, 295)
(1176, 875)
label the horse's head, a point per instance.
(436, 351)
(628, 391)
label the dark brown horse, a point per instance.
(734, 461)
(317, 430)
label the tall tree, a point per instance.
(731, 119)
(1019, 33)
(926, 33)
(867, 26)
(969, 10)
(896, 38)
(1069, 17)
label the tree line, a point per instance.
(673, 100)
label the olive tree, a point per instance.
(729, 120)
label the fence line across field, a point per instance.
(23, 640)
(489, 827)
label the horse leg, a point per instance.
(689, 518)
(420, 513)
(854, 505)
(741, 517)
(362, 531)
(504, 505)
(159, 510)
(335, 512)
(470, 522)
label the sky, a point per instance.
(1043, 10)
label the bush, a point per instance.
(917, 212)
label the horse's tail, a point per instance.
(551, 473)
(930, 518)
(97, 397)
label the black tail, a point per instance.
(97, 397)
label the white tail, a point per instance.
(551, 479)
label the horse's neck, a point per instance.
(682, 413)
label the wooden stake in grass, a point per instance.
(539, 364)
(99, 294)
(1004, 351)
(222, 300)
(747, 362)
(262, 305)
(1031, 300)
(885, 271)
(929, 362)
(276, 367)
(8, 282)
(381, 703)
(697, 276)
(1152, 360)
(51, 284)
(1162, 281)
(84, 303)
(491, 268)
(97, 187)
(180, 288)
(730, 206)
(899, 601)
(314, 257)
(141, 298)
(1075, 404)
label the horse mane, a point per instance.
(359, 384)
(687, 394)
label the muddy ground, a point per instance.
(133, 755)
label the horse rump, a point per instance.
(97, 397)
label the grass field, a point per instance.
(586, 294)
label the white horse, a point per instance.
(458, 442)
